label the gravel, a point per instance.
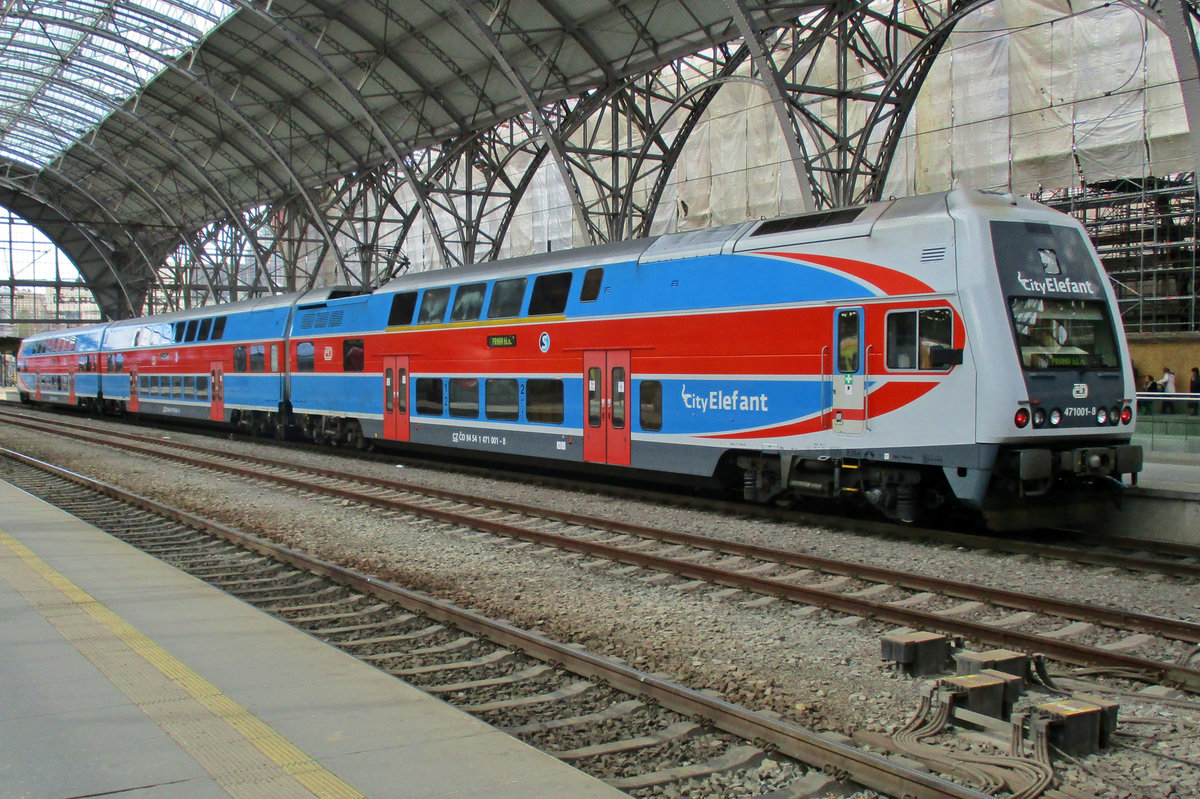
(813, 667)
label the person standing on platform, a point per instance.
(1194, 388)
(1166, 384)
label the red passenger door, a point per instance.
(216, 387)
(71, 385)
(395, 397)
(133, 392)
(606, 406)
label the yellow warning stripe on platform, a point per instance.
(244, 755)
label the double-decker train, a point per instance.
(961, 350)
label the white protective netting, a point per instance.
(1026, 95)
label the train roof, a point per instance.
(254, 304)
(752, 235)
(598, 255)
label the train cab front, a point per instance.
(1069, 436)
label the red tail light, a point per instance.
(1126, 414)
(1022, 417)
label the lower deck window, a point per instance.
(500, 400)
(544, 401)
(464, 397)
(651, 405)
(429, 396)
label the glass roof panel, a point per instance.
(87, 55)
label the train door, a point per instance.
(606, 406)
(71, 385)
(849, 372)
(395, 397)
(216, 383)
(133, 391)
(37, 391)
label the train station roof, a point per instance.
(126, 125)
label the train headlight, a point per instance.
(1022, 417)
(1055, 417)
(1039, 417)
(1126, 414)
(1102, 416)
(1115, 416)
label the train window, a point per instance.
(202, 387)
(1064, 334)
(144, 385)
(258, 358)
(205, 329)
(239, 358)
(550, 294)
(592, 279)
(306, 356)
(274, 358)
(218, 330)
(189, 387)
(403, 306)
(912, 336)
(544, 401)
(618, 397)
(594, 401)
(176, 387)
(848, 342)
(507, 297)
(433, 306)
(352, 355)
(84, 363)
(429, 396)
(464, 397)
(180, 329)
(500, 399)
(902, 340)
(651, 405)
(468, 302)
(192, 326)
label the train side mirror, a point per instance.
(941, 357)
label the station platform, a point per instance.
(124, 676)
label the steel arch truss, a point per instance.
(843, 78)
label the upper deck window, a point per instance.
(468, 302)
(550, 294)
(403, 305)
(592, 280)
(433, 306)
(507, 297)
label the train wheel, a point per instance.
(354, 436)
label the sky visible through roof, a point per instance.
(65, 65)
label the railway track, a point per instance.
(636, 730)
(1153, 557)
(1075, 633)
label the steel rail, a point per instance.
(1065, 651)
(865, 768)
(1169, 628)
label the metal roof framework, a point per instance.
(189, 151)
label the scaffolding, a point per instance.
(1146, 233)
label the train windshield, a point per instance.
(1064, 334)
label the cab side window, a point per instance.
(913, 335)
